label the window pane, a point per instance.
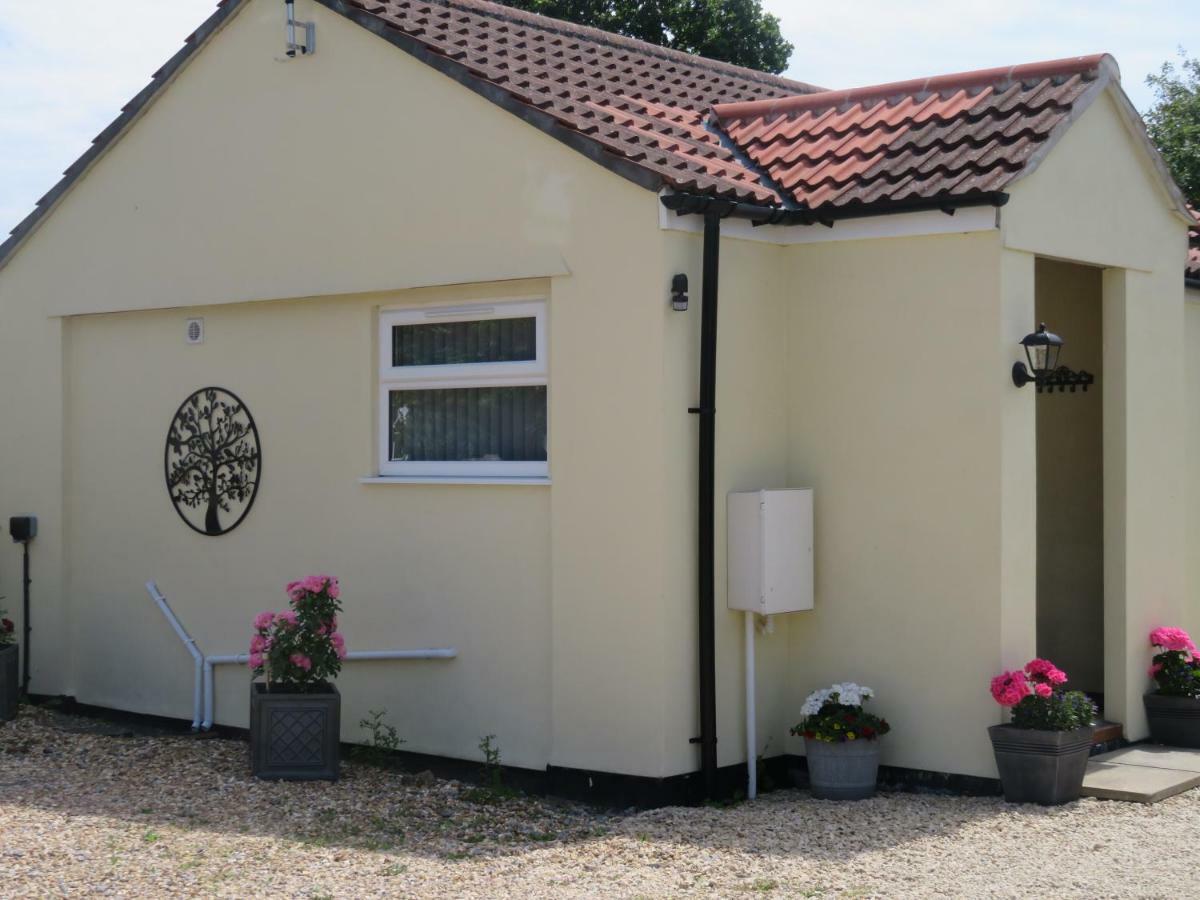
(458, 343)
(461, 424)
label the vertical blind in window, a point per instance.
(468, 424)
(463, 343)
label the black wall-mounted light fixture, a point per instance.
(1042, 349)
(679, 295)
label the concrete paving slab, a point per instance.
(1155, 756)
(1135, 783)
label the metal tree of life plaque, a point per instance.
(213, 461)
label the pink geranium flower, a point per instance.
(1010, 688)
(264, 620)
(287, 617)
(1043, 690)
(1172, 639)
(255, 661)
(258, 644)
(339, 644)
(300, 661)
(1044, 669)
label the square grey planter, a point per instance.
(1173, 720)
(294, 737)
(1045, 767)
(10, 681)
(843, 771)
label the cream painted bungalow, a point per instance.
(430, 250)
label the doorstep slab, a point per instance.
(1155, 756)
(1135, 783)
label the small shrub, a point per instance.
(382, 739)
(1038, 699)
(300, 648)
(835, 715)
(1176, 667)
(494, 789)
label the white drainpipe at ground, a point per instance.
(189, 642)
(354, 655)
(202, 693)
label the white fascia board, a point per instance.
(910, 224)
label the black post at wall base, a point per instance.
(25, 619)
(23, 529)
(706, 497)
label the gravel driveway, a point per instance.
(88, 814)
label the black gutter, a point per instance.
(706, 494)
(685, 204)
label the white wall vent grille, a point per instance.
(194, 333)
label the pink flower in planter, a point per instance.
(287, 617)
(258, 644)
(1009, 688)
(1043, 690)
(255, 661)
(264, 620)
(1039, 669)
(1154, 670)
(301, 661)
(339, 645)
(1172, 639)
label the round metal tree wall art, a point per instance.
(213, 461)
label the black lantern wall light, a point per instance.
(1042, 349)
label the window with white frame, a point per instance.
(463, 391)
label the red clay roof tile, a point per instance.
(931, 138)
(639, 102)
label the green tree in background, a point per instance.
(736, 31)
(1174, 121)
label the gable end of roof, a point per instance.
(130, 113)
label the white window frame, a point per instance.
(493, 374)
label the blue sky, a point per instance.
(67, 66)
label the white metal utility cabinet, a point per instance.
(770, 566)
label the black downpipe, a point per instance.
(706, 494)
(26, 581)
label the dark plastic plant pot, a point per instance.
(294, 736)
(1173, 720)
(1045, 767)
(10, 681)
(844, 771)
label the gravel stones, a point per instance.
(87, 814)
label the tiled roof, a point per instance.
(951, 136)
(663, 118)
(633, 102)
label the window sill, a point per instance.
(455, 479)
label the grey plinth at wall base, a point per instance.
(294, 737)
(10, 681)
(1045, 767)
(1174, 721)
(845, 771)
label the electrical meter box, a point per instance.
(770, 535)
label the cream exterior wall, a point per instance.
(1191, 614)
(1096, 199)
(872, 371)
(344, 179)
